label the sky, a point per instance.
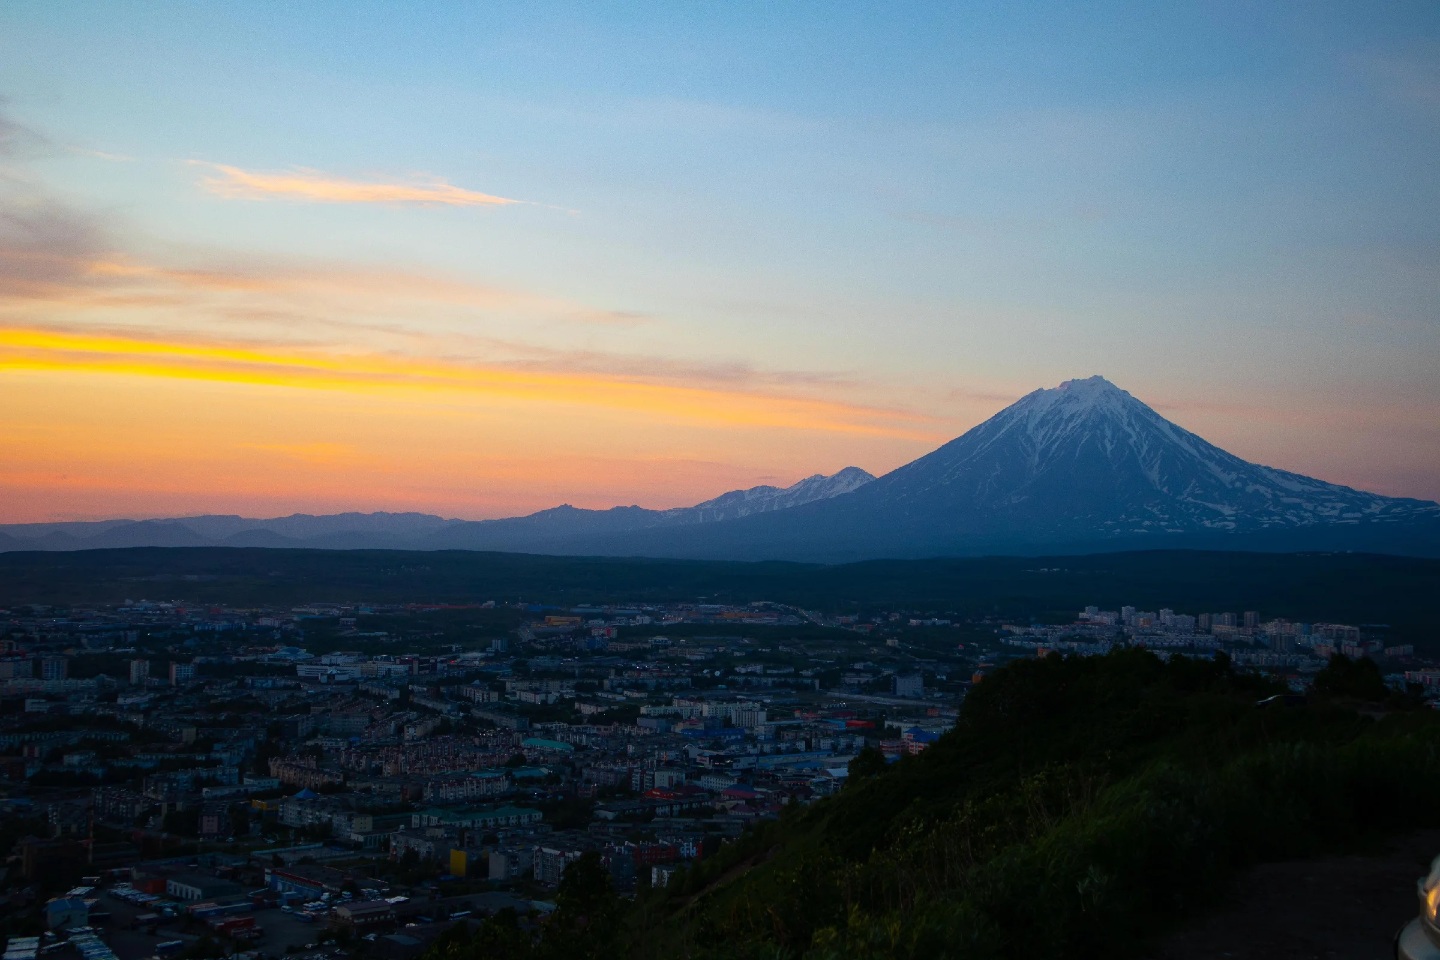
(481, 259)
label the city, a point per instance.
(215, 780)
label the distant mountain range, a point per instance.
(420, 531)
(1082, 467)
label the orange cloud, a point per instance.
(61, 278)
(30, 349)
(313, 186)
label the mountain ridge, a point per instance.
(1077, 468)
(354, 530)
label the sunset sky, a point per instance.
(481, 259)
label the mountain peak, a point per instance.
(1080, 392)
(1087, 459)
(1095, 380)
(1075, 406)
(763, 499)
(1088, 386)
(853, 474)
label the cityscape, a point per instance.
(265, 779)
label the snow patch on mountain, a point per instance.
(763, 499)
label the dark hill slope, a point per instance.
(1079, 808)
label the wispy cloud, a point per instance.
(331, 329)
(45, 249)
(352, 282)
(61, 270)
(15, 137)
(54, 256)
(9, 134)
(79, 302)
(102, 155)
(313, 186)
(189, 358)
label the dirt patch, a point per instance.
(1332, 908)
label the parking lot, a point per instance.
(279, 931)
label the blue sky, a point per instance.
(1228, 209)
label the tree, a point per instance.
(1352, 679)
(584, 886)
(500, 936)
(868, 763)
(588, 915)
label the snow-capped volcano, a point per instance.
(1087, 457)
